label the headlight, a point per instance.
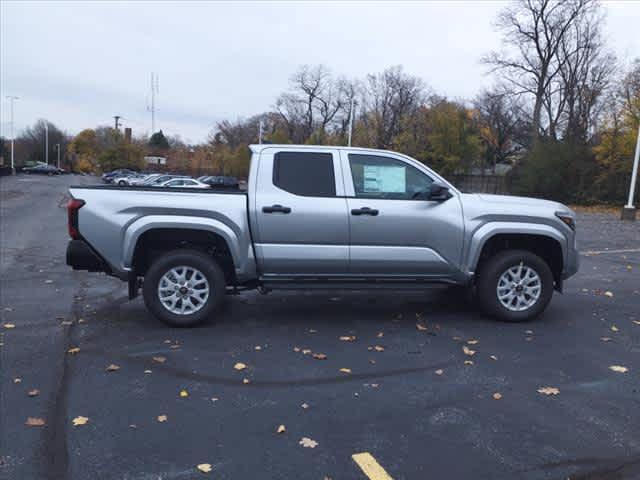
(567, 219)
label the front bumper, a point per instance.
(572, 264)
(80, 256)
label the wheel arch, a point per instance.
(542, 240)
(144, 242)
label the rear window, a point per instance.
(305, 173)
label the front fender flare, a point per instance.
(480, 237)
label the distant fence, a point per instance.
(498, 184)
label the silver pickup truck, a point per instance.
(318, 217)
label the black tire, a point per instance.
(489, 275)
(188, 258)
(122, 183)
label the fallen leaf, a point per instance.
(372, 361)
(380, 334)
(497, 396)
(308, 443)
(257, 347)
(305, 406)
(167, 341)
(549, 390)
(313, 330)
(204, 467)
(319, 356)
(619, 368)
(33, 393)
(468, 362)
(348, 338)
(48, 281)
(239, 366)
(184, 393)
(306, 351)
(245, 380)
(614, 328)
(281, 429)
(472, 342)
(608, 294)
(73, 350)
(35, 422)
(162, 418)
(605, 339)
(493, 357)
(439, 371)
(147, 372)
(9, 326)
(17, 380)
(66, 322)
(345, 370)
(529, 332)
(112, 368)
(80, 421)
(456, 338)
(468, 351)
(173, 347)
(637, 322)
(159, 359)
(421, 327)
(379, 348)
(296, 349)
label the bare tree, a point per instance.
(312, 102)
(390, 96)
(534, 31)
(500, 120)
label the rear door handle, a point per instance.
(276, 209)
(365, 211)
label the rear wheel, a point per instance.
(514, 285)
(183, 288)
(122, 183)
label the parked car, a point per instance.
(43, 169)
(182, 182)
(131, 179)
(222, 182)
(119, 173)
(158, 179)
(322, 218)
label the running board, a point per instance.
(311, 283)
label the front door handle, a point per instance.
(365, 211)
(276, 208)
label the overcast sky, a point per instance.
(79, 63)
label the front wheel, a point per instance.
(183, 288)
(514, 285)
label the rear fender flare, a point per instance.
(142, 225)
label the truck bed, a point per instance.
(113, 218)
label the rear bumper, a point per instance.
(80, 256)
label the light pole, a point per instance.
(46, 142)
(353, 107)
(629, 211)
(11, 99)
(58, 149)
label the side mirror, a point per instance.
(438, 192)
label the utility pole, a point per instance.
(353, 107)
(117, 121)
(11, 99)
(46, 141)
(260, 132)
(629, 211)
(58, 149)
(152, 108)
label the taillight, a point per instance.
(72, 213)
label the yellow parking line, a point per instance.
(370, 466)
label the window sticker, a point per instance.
(385, 178)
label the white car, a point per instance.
(134, 179)
(183, 183)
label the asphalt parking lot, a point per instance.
(398, 386)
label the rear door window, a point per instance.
(309, 174)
